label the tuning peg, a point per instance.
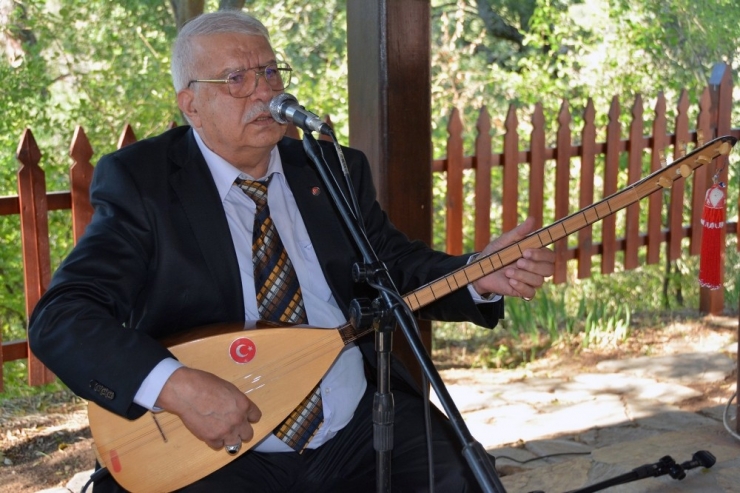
(661, 156)
(665, 182)
(685, 170)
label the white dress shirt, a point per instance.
(344, 383)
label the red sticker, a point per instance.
(242, 350)
(115, 462)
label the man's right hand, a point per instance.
(213, 409)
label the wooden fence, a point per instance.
(33, 201)
(714, 119)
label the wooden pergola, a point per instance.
(389, 66)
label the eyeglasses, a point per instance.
(243, 83)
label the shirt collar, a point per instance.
(224, 174)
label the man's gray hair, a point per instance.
(223, 21)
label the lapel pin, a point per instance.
(315, 191)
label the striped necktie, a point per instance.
(279, 299)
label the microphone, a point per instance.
(702, 458)
(284, 108)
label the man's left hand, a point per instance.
(523, 277)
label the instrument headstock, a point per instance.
(685, 165)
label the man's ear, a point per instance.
(186, 103)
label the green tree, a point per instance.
(499, 52)
(89, 63)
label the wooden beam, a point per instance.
(389, 64)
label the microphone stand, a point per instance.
(387, 307)
(666, 465)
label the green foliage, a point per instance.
(574, 50)
(12, 301)
(15, 381)
(677, 37)
(118, 74)
(312, 38)
(91, 63)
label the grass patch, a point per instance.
(15, 376)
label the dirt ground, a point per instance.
(46, 440)
(43, 449)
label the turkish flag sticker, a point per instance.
(242, 350)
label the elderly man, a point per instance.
(183, 231)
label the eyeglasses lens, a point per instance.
(244, 82)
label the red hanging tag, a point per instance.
(712, 220)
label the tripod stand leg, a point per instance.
(383, 412)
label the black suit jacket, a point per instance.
(158, 259)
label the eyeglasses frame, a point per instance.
(281, 67)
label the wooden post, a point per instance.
(586, 194)
(537, 152)
(455, 193)
(510, 194)
(389, 65)
(34, 239)
(611, 175)
(655, 201)
(80, 176)
(482, 165)
(634, 173)
(562, 189)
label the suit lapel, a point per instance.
(193, 184)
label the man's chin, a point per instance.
(265, 136)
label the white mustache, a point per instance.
(256, 111)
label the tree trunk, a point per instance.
(15, 36)
(185, 10)
(231, 5)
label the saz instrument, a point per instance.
(276, 367)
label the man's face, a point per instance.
(235, 128)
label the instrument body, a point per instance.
(274, 367)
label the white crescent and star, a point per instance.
(238, 350)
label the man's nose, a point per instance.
(263, 90)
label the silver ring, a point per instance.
(526, 299)
(233, 449)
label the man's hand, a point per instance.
(213, 409)
(523, 277)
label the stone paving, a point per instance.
(597, 424)
(621, 415)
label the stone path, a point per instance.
(620, 415)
